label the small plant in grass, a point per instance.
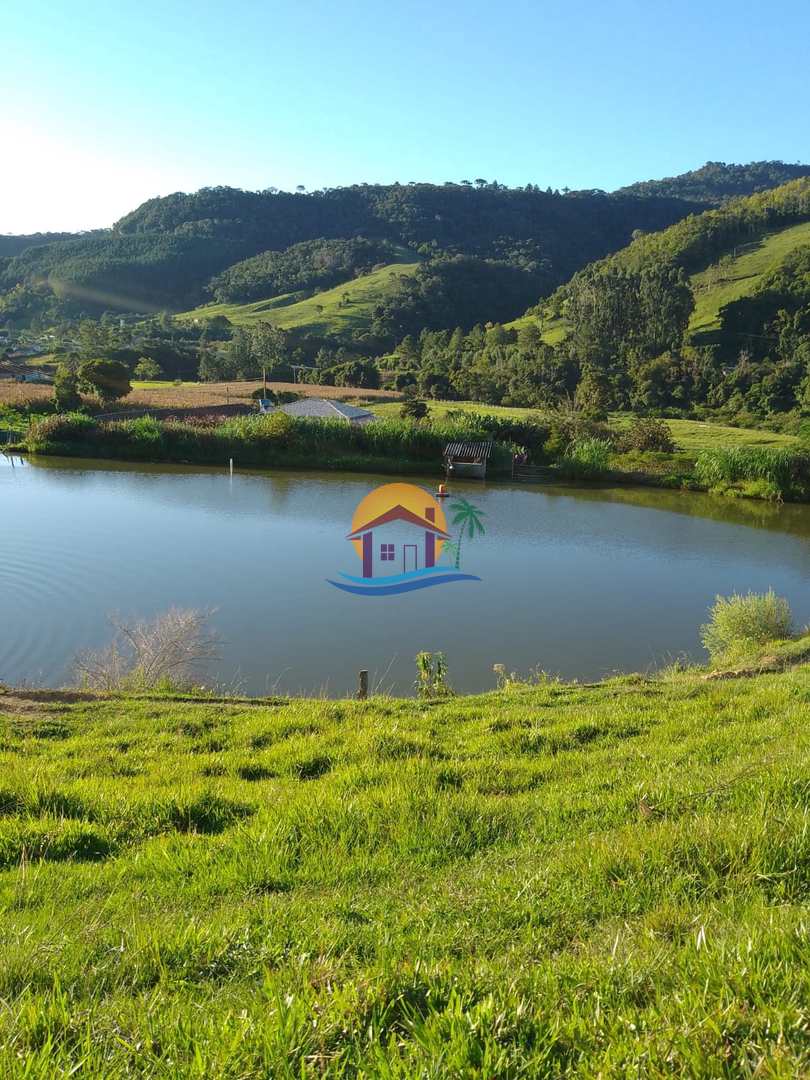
(432, 675)
(743, 623)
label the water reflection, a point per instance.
(580, 582)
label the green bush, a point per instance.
(62, 428)
(144, 429)
(566, 429)
(648, 434)
(586, 459)
(740, 623)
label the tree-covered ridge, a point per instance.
(621, 328)
(166, 253)
(488, 220)
(312, 264)
(112, 271)
(716, 182)
(13, 245)
(694, 243)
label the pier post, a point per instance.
(362, 685)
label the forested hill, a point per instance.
(480, 251)
(171, 252)
(13, 245)
(716, 182)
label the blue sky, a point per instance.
(105, 104)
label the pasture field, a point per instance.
(694, 435)
(739, 274)
(546, 880)
(690, 435)
(345, 307)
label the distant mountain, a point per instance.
(716, 182)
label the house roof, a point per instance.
(399, 513)
(469, 451)
(324, 409)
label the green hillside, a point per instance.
(346, 307)
(740, 274)
(726, 252)
(548, 880)
(731, 277)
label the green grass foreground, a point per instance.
(564, 879)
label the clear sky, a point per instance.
(105, 103)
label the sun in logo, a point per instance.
(398, 532)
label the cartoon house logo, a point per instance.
(401, 536)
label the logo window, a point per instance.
(386, 552)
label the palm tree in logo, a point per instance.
(468, 517)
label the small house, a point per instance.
(313, 408)
(467, 459)
(399, 541)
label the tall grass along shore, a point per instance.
(573, 449)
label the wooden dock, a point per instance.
(534, 474)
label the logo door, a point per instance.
(409, 560)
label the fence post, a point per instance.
(362, 685)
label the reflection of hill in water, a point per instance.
(293, 489)
(577, 581)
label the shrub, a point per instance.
(64, 428)
(144, 429)
(744, 622)
(413, 409)
(568, 428)
(648, 434)
(587, 459)
(165, 653)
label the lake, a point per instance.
(575, 582)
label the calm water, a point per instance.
(580, 583)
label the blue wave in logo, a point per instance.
(400, 583)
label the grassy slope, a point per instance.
(720, 285)
(715, 286)
(690, 435)
(292, 313)
(601, 880)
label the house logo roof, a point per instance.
(398, 513)
(396, 560)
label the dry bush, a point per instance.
(167, 652)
